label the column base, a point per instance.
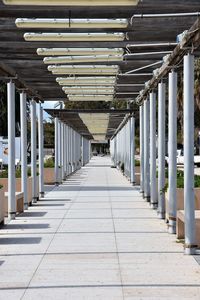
(34, 200)
(172, 225)
(147, 198)
(25, 206)
(154, 205)
(161, 215)
(11, 216)
(190, 249)
(41, 194)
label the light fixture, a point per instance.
(84, 69)
(80, 59)
(97, 124)
(70, 36)
(84, 81)
(94, 91)
(90, 97)
(72, 2)
(71, 23)
(79, 51)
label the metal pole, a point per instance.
(11, 150)
(33, 151)
(132, 149)
(154, 198)
(172, 150)
(142, 149)
(189, 154)
(161, 150)
(146, 152)
(23, 121)
(41, 150)
(56, 153)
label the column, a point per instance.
(189, 154)
(161, 150)
(11, 150)
(142, 149)
(62, 150)
(172, 150)
(23, 123)
(33, 151)
(132, 150)
(41, 150)
(154, 199)
(82, 151)
(56, 164)
(146, 152)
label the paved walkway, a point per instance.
(94, 238)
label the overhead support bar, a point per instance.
(164, 45)
(168, 15)
(145, 67)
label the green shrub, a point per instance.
(180, 179)
(137, 163)
(1, 186)
(49, 163)
(4, 173)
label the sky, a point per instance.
(48, 104)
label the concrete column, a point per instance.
(154, 198)
(161, 150)
(41, 150)
(67, 150)
(62, 150)
(132, 150)
(11, 150)
(146, 151)
(189, 203)
(82, 151)
(56, 153)
(142, 149)
(23, 123)
(33, 151)
(172, 150)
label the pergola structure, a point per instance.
(122, 50)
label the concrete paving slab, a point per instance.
(91, 240)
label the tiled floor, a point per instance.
(94, 238)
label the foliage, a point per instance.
(1, 186)
(49, 163)
(180, 180)
(3, 110)
(48, 134)
(137, 163)
(4, 173)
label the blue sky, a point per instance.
(48, 104)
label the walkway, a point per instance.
(94, 238)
